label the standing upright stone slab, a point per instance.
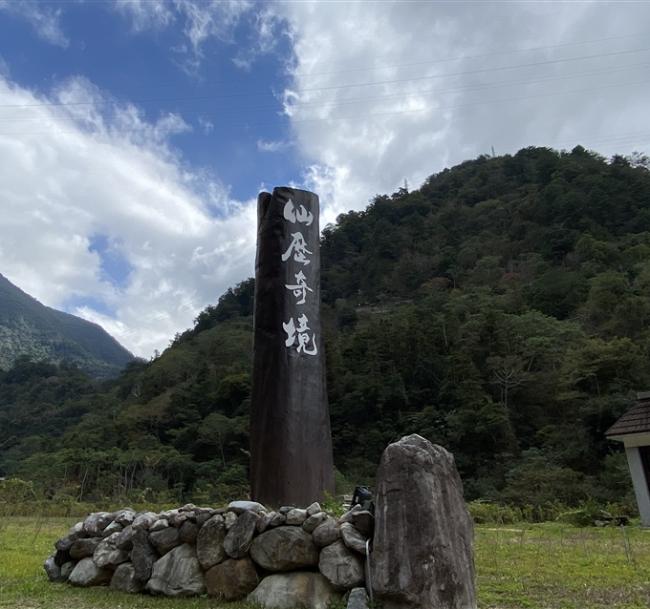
(291, 443)
(423, 554)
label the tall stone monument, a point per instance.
(291, 442)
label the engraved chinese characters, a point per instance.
(291, 446)
(298, 335)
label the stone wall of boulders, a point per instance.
(421, 556)
(278, 559)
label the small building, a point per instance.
(633, 429)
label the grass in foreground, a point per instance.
(519, 567)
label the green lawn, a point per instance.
(527, 566)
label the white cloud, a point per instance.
(427, 111)
(44, 19)
(72, 172)
(272, 145)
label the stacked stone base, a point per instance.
(278, 559)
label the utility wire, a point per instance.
(353, 85)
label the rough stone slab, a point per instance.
(209, 542)
(314, 508)
(422, 551)
(188, 532)
(284, 548)
(125, 516)
(341, 567)
(177, 573)
(124, 541)
(124, 579)
(106, 554)
(159, 525)
(240, 536)
(232, 579)
(86, 573)
(291, 590)
(52, 570)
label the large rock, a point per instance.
(232, 580)
(353, 538)
(177, 573)
(144, 521)
(96, 523)
(106, 553)
(143, 555)
(314, 521)
(124, 579)
(124, 540)
(284, 549)
(82, 548)
(326, 533)
(209, 542)
(239, 507)
(341, 567)
(188, 532)
(240, 536)
(422, 554)
(52, 570)
(165, 540)
(87, 573)
(291, 590)
(358, 599)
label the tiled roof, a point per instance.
(635, 420)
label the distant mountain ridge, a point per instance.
(29, 328)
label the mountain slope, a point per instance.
(502, 310)
(28, 328)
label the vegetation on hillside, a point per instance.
(28, 328)
(501, 310)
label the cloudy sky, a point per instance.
(136, 134)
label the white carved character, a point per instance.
(297, 247)
(300, 288)
(300, 215)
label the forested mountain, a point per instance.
(28, 328)
(501, 310)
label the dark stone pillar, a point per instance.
(291, 443)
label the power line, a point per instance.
(352, 85)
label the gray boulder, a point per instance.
(209, 542)
(314, 508)
(124, 579)
(124, 540)
(363, 521)
(278, 520)
(144, 521)
(188, 532)
(326, 533)
(82, 548)
(232, 580)
(106, 554)
(422, 554)
(229, 518)
(240, 536)
(114, 527)
(358, 599)
(177, 573)
(52, 570)
(95, 523)
(314, 521)
(125, 517)
(66, 569)
(341, 567)
(165, 540)
(296, 517)
(285, 548)
(353, 538)
(143, 555)
(159, 525)
(87, 573)
(291, 590)
(239, 507)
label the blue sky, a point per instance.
(136, 134)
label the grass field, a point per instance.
(518, 567)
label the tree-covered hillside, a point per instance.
(501, 310)
(28, 328)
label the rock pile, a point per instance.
(277, 559)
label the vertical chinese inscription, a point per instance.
(291, 444)
(299, 335)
